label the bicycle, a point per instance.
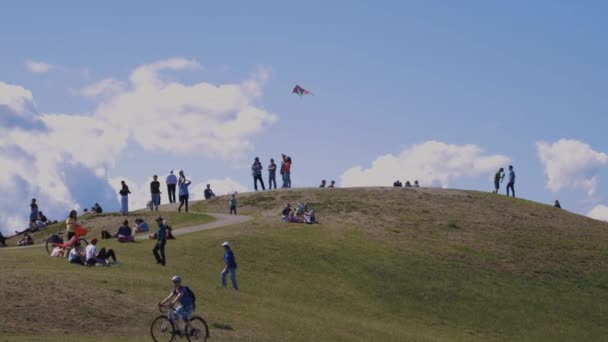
(56, 240)
(163, 327)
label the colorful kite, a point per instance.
(300, 91)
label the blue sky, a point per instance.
(387, 76)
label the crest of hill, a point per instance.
(484, 229)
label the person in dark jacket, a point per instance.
(124, 197)
(230, 266)
(272, 174)
(155, 193)
(161, 241)
(557, 204)
(208, 192)
(256, 172)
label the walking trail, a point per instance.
(221, 220)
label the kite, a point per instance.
(300, 91)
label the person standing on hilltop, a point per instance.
(184, 194)
(511, 184)
(498, 178)
(256, 172)
(272, 174)
(230, 266)
(124, 197)
(33, 214)
(286, 171)
(171, 185)
(155, 193)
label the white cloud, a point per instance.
(16, 98)
(599, 212)
(215, 121)
(432, 163)
(570, 164)
(37, 67)
(103, 87)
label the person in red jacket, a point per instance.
(286, 171)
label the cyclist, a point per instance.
(184, 296)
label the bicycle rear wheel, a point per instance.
(197, 329)
(162, 329)
(83, 242)
(49, 247)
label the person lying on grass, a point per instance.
(26, 240)
(103, 257)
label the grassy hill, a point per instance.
(384, 264)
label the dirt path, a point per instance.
(221, 220)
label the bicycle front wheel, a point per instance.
(197, 329)
(162, 329)
(49, 247)
(83, 242)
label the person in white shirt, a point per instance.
(76, 256)
(171, 186)
(92, 257)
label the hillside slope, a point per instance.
(384, 264)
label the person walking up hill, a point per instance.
(161, 241)
(230, 262)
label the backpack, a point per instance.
(192, 295)
(105, 235)
(54, 239)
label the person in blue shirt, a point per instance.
(184, 296)
(230, 266)
(511, 184)
(161, 241)
(183, 193)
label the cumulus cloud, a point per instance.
(216, 120)
(104, 87)
(570, 163)
(432, 163)
(599, 212)
(64, 160)
(37, 67)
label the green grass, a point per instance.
(352, 278)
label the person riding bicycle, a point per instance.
(184, 296)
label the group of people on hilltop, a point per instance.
(499, 178)
(324, 184)
(407, 184)
(285, 170)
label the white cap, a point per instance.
(226, 244)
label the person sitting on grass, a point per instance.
(323, 183)
(76, 256)
(124, 232)
(2, 240)
(26, 240)
(285, 212)
(208, 192)
(58, 252)
(97, 208)
(309, 217)
(332, 184)
(141, 226)
(103, 257)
